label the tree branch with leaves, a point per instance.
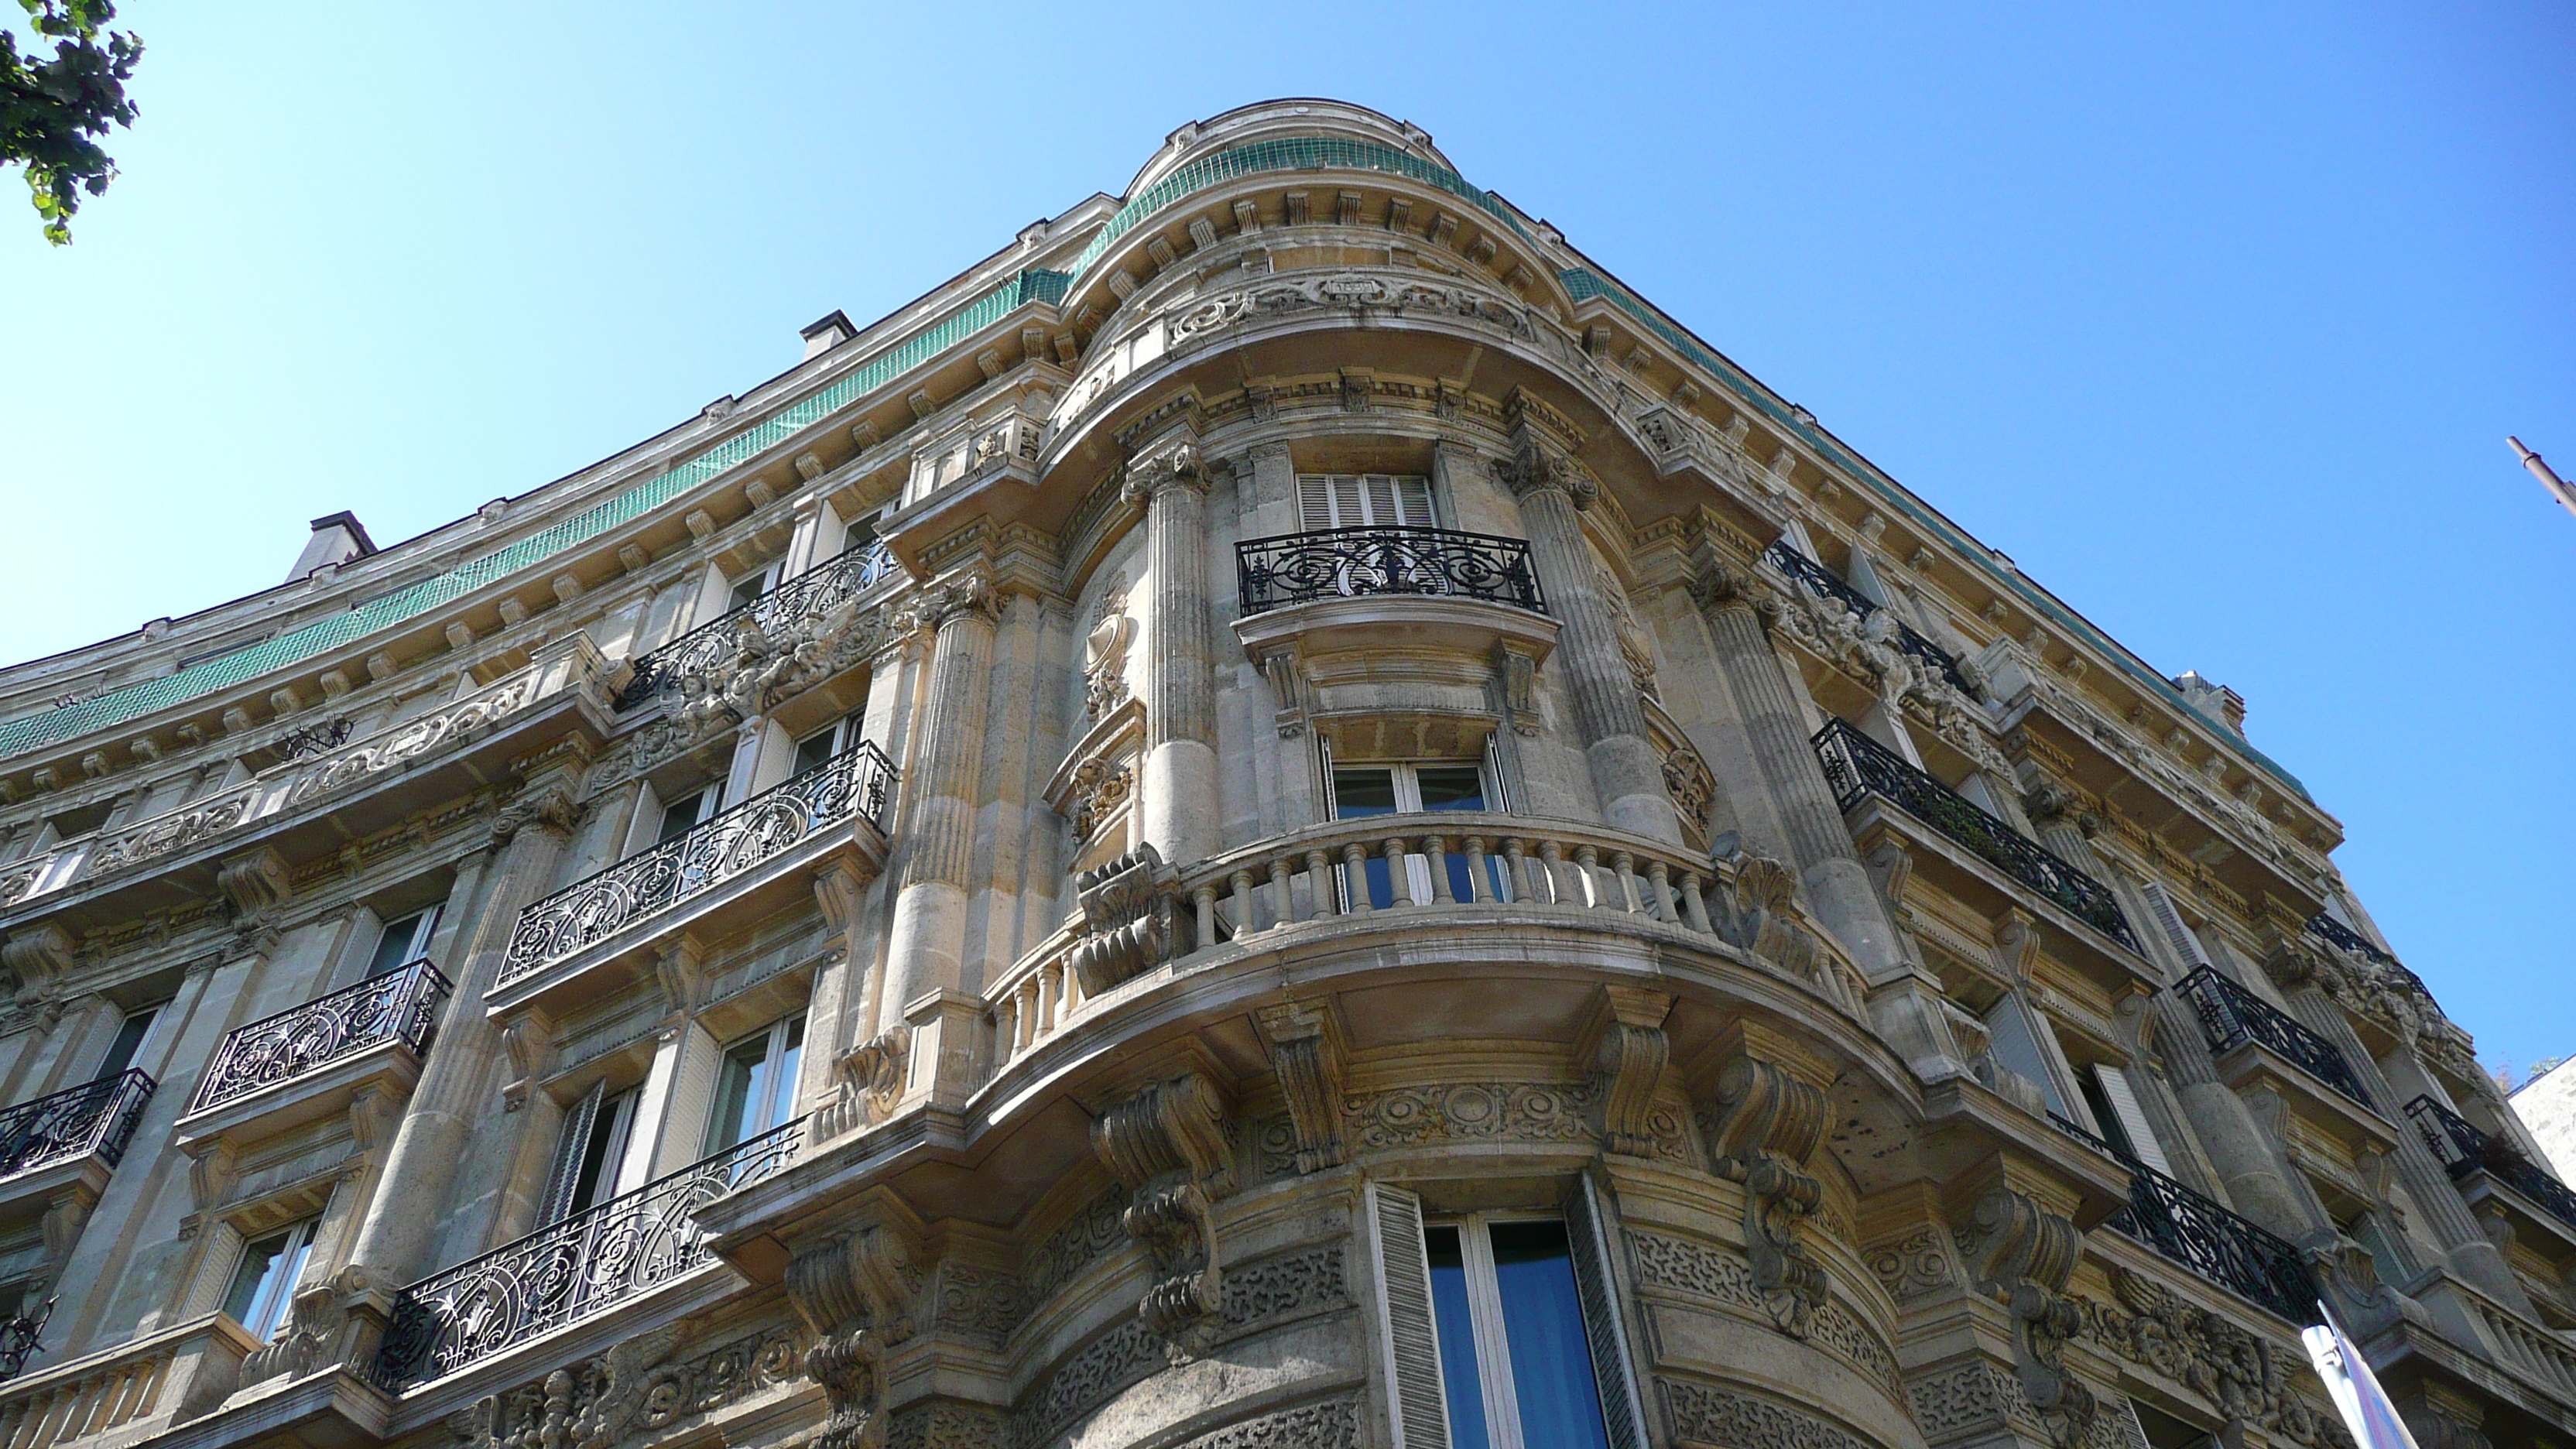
(53, 110)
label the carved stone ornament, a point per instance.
(857, 1294)
(1167, 1146)
(36, 957)
(1101, 789)
(1759, 913)
(1866, 649)
(764, 666)
(627, 1393)
(1624, 1044)
(1517, 675)
(1687, 779)
(1104, 655)
(1536, 468)
(1131, 919)
(2021, 1255)
(1353, 291)
(415, 738)
(1768, 1124)
(872, 1079)
(2245, 1377)
(256, 882)
(1174, 467)
(1306, 1054)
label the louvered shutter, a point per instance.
(2133, 1118)
(566, 1172)
(2160, 903)
(1379, 492)
(1604, 1329)
(1416, 1399)
(1413, 502)
(2118, 1424)
(1314, 502)
(1350, 506)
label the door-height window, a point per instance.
(1363, 500)
(684, 814)
(591, 1157)
(756, 1086)
(819, 747)
(744, 588)
(1407, 787)
(403, 941)
(265, 1282)
(131, 1035)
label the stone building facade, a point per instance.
(1282, 816)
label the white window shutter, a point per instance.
(1379, 491)
(1413, 502)
(1417, 1401)
(566, 1172)
(2169, 918)
(2133, 1118)
(1314, 502)
(1604, 1329)
(1349, 508)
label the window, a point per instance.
(1408, 787)
(592, 1154)
(681, 815)
(859, 536)
(265, 1282)
(1512, 1351)
(2114, 1102)
(750, 586)
(403, 942)
(756, 1087)
(823, 744)
(1363, 500)
(2013, 1036)
(131, 1034)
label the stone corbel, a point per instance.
(1516, 680)
(255, 882)
(679, 966)
(530, 1043)
(210, 1174)
(1306, 1054)
(1167, 1146)
(61, 1226)
(1769, 1121)
(858, 1293)
(2016, 944)
(1622, 1042)
(872, 1076)
(35, 959)
(1131, 920)
(1288, 688)
(1890, 865)
(373, 1116)
(2021, 1252)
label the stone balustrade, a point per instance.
(129, 1394)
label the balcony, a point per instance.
(1821, 582)
(20, 1337)
(1857, 766)
(399, 1006)
(1343, 563)
(2343, 938)
(2231, 1016)
(722, 863)
(2181, 1225)
(569, 1270)
(834, 581)
(92, 1122)
(2480, 1163)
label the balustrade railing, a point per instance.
(1446, 866)
(1822, 581)
(94, 1119)
(2230, 1015)
(833, 581)
(854, 783)
(400, 1005)
(571, 1269)
(2188, 1228)
(2463, 1148)
(2335, 933)
(1856, 765)
(1297, 568)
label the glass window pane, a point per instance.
(749, 588)
(738, 1089)
(679, 816)
(393, 948)
(604, 1153)
(256, 1260)
(814, 749)
(1457, 1340)
(1551, 1362)
(129, 1040)
(782, 1081)
(1358, 793)
(1451, 787)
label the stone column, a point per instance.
(1179, 788)
(2247, 1166)
(1626, 772)
(429, 1148)
(926, 942)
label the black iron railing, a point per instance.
(94, 1119)
(2199, 1234)
(1825, 585)
(2464, 1149)
(400, 1005)
(856, 782)
(1856, 765)
(819, 588)
(19, 1339)
(2335, 933)
(1295, 568)
(568, 1270)
(2230, 1014)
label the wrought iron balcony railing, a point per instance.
(2335, 933)
(2180, 1224)
(1297, 568)
(811, 592)
(856, 782)
(19, 1340)
(1856, 765)
(400, 1005)
(2230, 1014)
(1822, 581)
(570, 1269)
(94, 1119)
(2464, 1149)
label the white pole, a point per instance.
(2558, 487)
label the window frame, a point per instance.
(157, 1015)
(1491, 1333)
(843, 733)
(783, 1056)
(766, 576)
(1405, 779)
(424, 929)
(273, 1292)
(1322, 488)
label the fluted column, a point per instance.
(1626, 772)
(430, 1147)
(1179, 788)
(924, 945)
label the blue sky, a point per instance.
(2214, 317)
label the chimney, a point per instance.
(827, 332)
(336, 539)
(2215, 700)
